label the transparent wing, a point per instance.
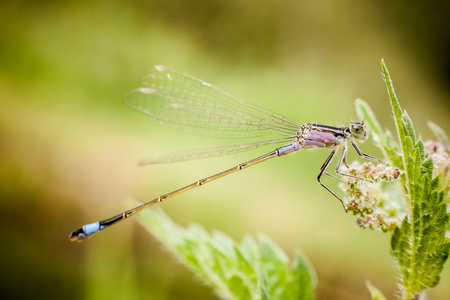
(177, 156)
(192, 105)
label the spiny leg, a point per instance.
(322, 171)
(367, 156)
(343, 159)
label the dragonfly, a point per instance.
(195, 106)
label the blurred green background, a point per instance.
(69, 147)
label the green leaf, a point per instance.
(382, 138)
(302, 282)
(246, 270)
(396, 110)
(407, 124)
(419, 245)
(374, 292)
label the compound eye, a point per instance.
(358, 131)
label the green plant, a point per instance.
(419, 244)
(414, 210)
(246, 270)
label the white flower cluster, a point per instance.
(365, 198)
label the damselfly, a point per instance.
(192, 105)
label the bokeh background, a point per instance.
(69, 147)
